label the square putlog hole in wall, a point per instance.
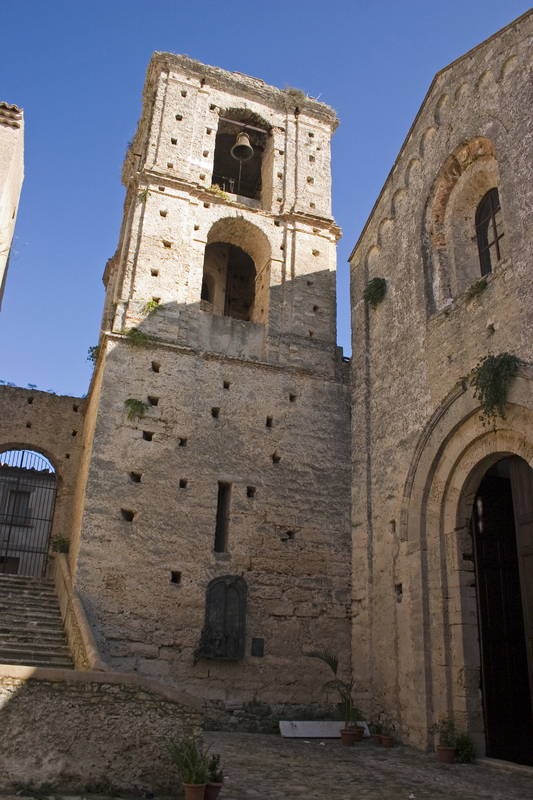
(155, 366)
(292, 398)
(148, 436)
(126, 515)
(153, 401)
(154, 273)
(175, 577)
(276, 458)
(226, 384)
(183, 483)
(215, 413)
(250, 491)
(135, 477)
(269, 421)
(182, 442)
(258, 648)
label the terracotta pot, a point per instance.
(359, 733)
(446, 754)
(212, 790)
(348, 736)
(194, 791)
(386, 741)
(376, 738)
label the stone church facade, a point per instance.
(238, 494)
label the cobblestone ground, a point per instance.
(272, 768)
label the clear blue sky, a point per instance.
(77, 68)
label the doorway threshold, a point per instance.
(509, 766)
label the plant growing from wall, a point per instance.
(137, 337)
(60, 544)
(215, 189)
(92, 353)
(151, 306)
(490, 380)
(476, 289)
(143, 195)
(292, 91)
(375, 292)
(136, 408)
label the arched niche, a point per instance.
(236, 272)
(450, 248)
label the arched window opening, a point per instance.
(223, 634)
(27, 500)
(239, 173)
(228, 285)
(489, 229)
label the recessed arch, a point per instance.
(454, 453)
(236, 279)
(28, 487)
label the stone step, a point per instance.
(52, 637)
(31, 628)
(60, 649)
(45, 660)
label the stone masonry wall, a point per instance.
(412, 350)
(288, 539)
(81, 731)
(52, 425)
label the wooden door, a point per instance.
(504, 664)
(522, 486)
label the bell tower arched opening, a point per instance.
(228, 283)
(502, 534)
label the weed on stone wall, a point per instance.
(138, 338)
(92, 353)
(136, 408)
(375, 292)
(490, 381)
(215, 189)
(151, 306)
(60, 544)
(476, 289)
(143, 195)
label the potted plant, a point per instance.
(444, 730)
(376, 729)
(385, 737)
(215, 778)
(192, 766)
(349, 734)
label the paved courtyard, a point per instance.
(262, 766)
(272, 768)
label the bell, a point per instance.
(242, 150)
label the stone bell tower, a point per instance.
(213, 526)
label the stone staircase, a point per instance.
(31, 628)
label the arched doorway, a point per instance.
(27, 500)
(502, 532)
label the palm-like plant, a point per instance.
(344, 689)
(190, 762)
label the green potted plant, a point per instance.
(376, 729)
(350, 733)
(215, 778)
(444, 731)
(192, 766)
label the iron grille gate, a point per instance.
(27, 500)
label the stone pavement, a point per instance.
(267, 767)
(272, 768)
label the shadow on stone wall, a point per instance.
(83, 731)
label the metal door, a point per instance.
(27, 500)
